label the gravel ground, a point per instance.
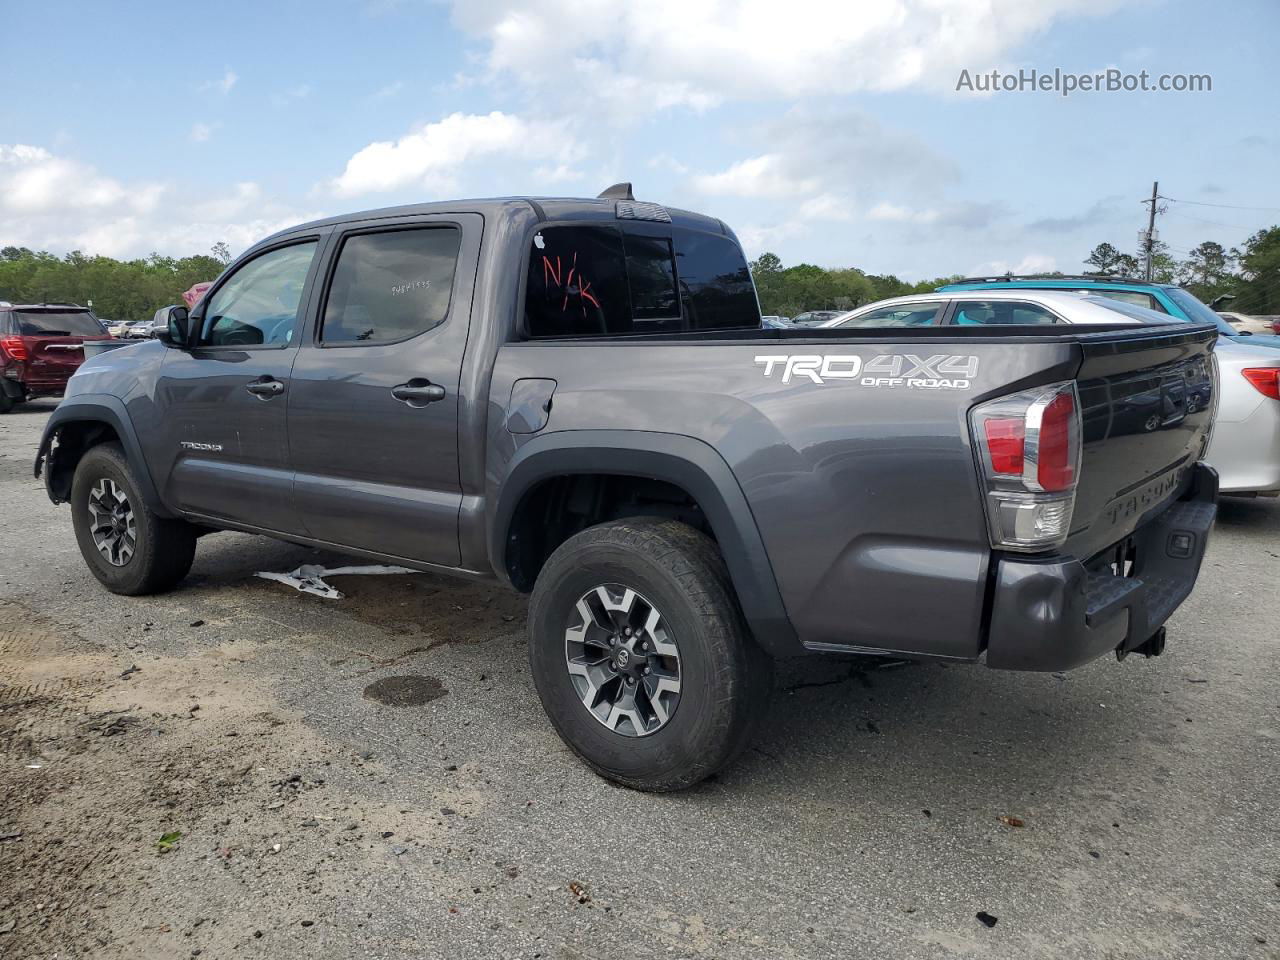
(318, 817)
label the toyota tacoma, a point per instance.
(576, 397)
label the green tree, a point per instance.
(119, 289)
(1104, 259)
(1258, 290)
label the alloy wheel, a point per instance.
(112, 522)
(623, 661)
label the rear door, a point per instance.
(222, 405)
(373, 411)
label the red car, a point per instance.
(40, 348)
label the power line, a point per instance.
(1222, 206)
(1212, 223)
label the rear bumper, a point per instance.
(1056, 614)
(1246, 453)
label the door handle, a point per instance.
(418, 392)
(266, 389)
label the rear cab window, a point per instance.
(56, 323)
(603, 280)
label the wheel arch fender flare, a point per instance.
(689, 463)
(95, 408)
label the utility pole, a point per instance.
(1149, 241)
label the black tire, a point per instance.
(6, 402)
(725, 677)
(162, 549)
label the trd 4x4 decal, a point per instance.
(938, 372)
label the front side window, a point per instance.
(898, 315)
(971, 312)
(258, 304)
(391, 286)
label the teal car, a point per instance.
(1168, 298)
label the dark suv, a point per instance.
(40, 348)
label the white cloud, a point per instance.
(896, 214)
(768, 175)
(561, 173)
(200, 132)
(701, 52)
(57, 203)
(1031, 263)
(222, 84)
(823, 159)
(435, 154)
(286, 97)
(387, 92)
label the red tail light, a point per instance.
(1005, 439)
(1029, 449)
(1056, 464)
(1265, 379)
(14, 347)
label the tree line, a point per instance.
(119, 289)
(1250, 273)
(135, 289)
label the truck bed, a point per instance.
(866, 492)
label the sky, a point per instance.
(827, 133)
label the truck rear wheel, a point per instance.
(128, 548)
(641, 655)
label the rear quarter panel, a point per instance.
(866, 496)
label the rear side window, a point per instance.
(599, 280)
(61, 323)
(898, 315)
(971, 312)
(391, 286)
(1137, 298)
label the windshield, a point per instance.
(1198, 312)
(57, 323)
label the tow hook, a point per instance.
(1153, 646)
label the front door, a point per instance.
(222, 405)
(373, 409)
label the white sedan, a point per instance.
(1245, 447)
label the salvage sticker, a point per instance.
(938, 372)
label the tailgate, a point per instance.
(52, 360)
(1147, 400)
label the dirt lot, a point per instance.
(310, 812)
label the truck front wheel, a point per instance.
(641, 655)
(126, 545)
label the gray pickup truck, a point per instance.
(575, 397)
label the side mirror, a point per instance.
(177, 328)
